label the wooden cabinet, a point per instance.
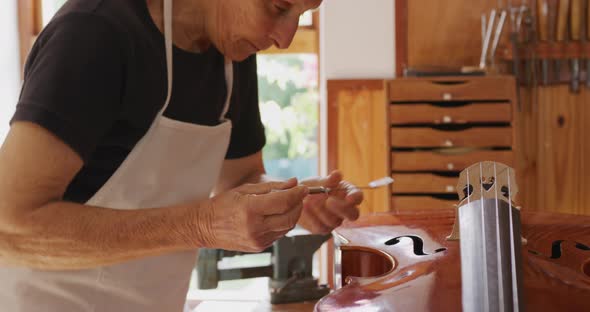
(431, 129)
(441, 126)
(424, 139)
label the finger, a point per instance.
(332, 180)
(282, 222)
(342, 208)
(327, 218)
(278, 202)
(313, 224)
(316, 199)
(267, 187)
(349, 192)
(354, 196)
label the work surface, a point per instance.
(249, 306)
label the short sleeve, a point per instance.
(73, 81)
(247, 135)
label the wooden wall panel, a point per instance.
(584, 135)
(525, 148)
(358, 136)
(556, 150)
(444, 32)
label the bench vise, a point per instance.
(290, 271)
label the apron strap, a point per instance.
(229, 84)
(168, 45)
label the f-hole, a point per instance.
(556, 250)
(417, 243)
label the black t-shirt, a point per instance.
(96, 78)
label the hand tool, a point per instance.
(498, 35)
(588, 43)
(487, 39)
(372, 185)
(543, 32)
(576, 12)
(561, 31)
(515, 22)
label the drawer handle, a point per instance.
(450, 166)
(448, 143)
(449, 188)
(447, 96)
(447, 119)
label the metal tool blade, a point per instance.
(487, 39)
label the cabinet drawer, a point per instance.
(423, 183)
(451, 89)
(401, 114)
(447, 160)
(474, 137)
(406, 203)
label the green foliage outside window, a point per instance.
(288, 92)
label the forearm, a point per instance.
(62, 236)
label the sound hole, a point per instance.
(418, 244)
(360, 263)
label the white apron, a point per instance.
(174, 162)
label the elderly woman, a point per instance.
(131, 114)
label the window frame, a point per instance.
(30, 23)
(306, 39)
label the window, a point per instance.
(289, 104)
(288, 90)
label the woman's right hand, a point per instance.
(251, 217)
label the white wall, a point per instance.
(9, 64)
(358, 38)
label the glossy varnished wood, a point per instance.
(432, 282)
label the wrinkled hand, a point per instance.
(251, 217)
(324, 212)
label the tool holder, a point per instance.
(550, 51)
(551, 31)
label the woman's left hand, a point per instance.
(324, 212)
